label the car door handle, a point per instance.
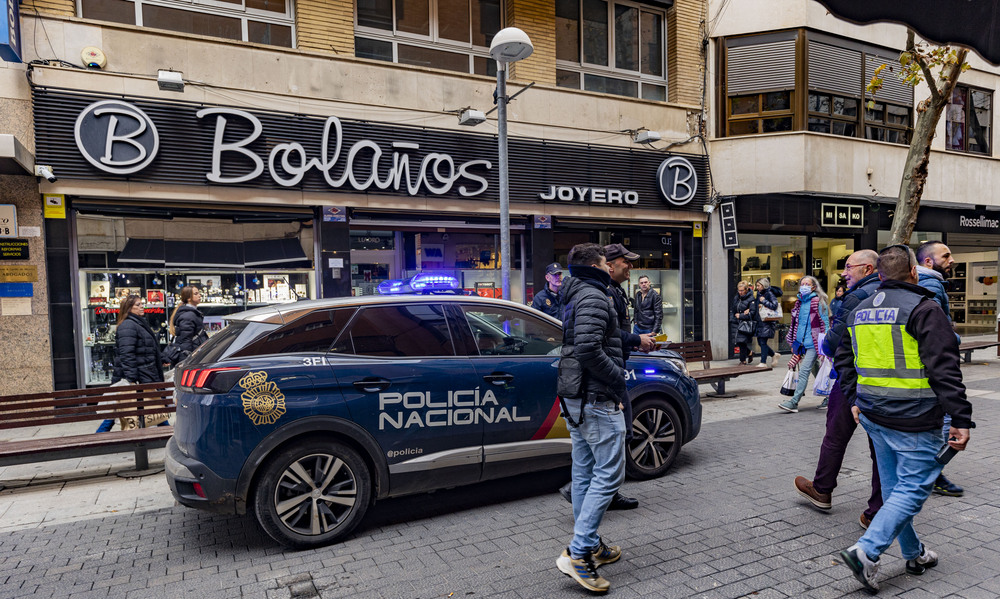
(371, 385)
(499, 378)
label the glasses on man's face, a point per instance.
(850, 266)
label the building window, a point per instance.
(611, 47)
(760, 113)
(969, 116)
(260, 21)
(454, 35)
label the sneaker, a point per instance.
(864, 569)
(864, 521)
(943, 486)
(606, 554)
(805, 488)
(789, 406)
(762, 364)
(584, 571)
(824, 404)
(926, 559)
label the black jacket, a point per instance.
(630, 340)
(769, 299)
(137, 358)
(741, 303)
(649, 311)
(549, 302)
(591, 361)
(938, 349)
(865, 288)
(189, 328)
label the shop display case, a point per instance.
(223, 293)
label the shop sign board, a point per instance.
(842, 215)
(16, 290)
(10, 32)
(18, 273)
(14, 249)
(979, 221)
(184, 143)
(727, 211)
(8, 220)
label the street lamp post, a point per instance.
(509, 45)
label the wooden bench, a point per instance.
(967, 348)
(81, 405)
(701, 351)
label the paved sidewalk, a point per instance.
(725, 522)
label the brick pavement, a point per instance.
(725, 522)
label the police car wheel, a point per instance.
(312, 493)
(656, 438)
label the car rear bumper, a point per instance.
(184, 472)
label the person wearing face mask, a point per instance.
(809, 320)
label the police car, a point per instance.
(306, 413)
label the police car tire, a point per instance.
(653, 459)
(315, 456)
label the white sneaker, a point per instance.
(863, 568)
(926, 559)
(762, 365)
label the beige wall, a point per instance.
(26, 359)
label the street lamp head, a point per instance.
(510, 45)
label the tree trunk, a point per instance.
(911, 188)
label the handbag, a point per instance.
(791, 380)
(747, 326)
(769, 315)
(824, 382)
(173, 353)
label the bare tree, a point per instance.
(918, 63)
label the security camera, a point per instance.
(42, 170)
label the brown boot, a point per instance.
(805, 488)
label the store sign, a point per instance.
(8, 220)
(10, 33)
(19, 273)
(593, 195)
(116, 137)
(727, 212)
(842, 215)
(14, 249)
(979, 222)
(678, 180)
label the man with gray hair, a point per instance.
(899, 364)
(862, 281)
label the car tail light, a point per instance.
(211, 380)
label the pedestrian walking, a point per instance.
(743, 319)
(137, 351)
(187, 324)
(809, 320)
(591, 389)
(934, 267)
(547, 300)
(648, 309)
(767, 296)
(838, 297)
(899, 365)
(862, 280)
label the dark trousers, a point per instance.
(840, 427)
(744, 350)
(765, 349)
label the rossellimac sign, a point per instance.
(105, 137)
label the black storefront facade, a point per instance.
(787, 236)
(292, 206)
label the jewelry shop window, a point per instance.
(454, 35)
(261, 21)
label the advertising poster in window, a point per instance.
(100, 292)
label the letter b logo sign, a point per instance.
(678, 180)
(116, 137)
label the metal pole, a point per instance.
(504, 188)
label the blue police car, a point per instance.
(304, 414)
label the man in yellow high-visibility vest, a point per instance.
(899, 366)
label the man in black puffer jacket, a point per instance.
(591, 389)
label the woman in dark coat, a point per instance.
(187, 323)
(137, 351)
(767, 296)
(744, 318)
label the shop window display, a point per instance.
(779, 258)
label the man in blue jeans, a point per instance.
(591, 389)
(899, 365)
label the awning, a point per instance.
(15, 159)
(159, 253)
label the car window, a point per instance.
(503, 331)
(408, 330)
(314, 332)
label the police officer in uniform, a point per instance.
(899, 365)
(547, 300)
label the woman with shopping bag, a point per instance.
(810, 319)
(768, 317)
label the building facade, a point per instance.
(309, 149)
(814, 169)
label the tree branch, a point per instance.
(928, 76)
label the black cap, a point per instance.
(617, 250)
(553, 268)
